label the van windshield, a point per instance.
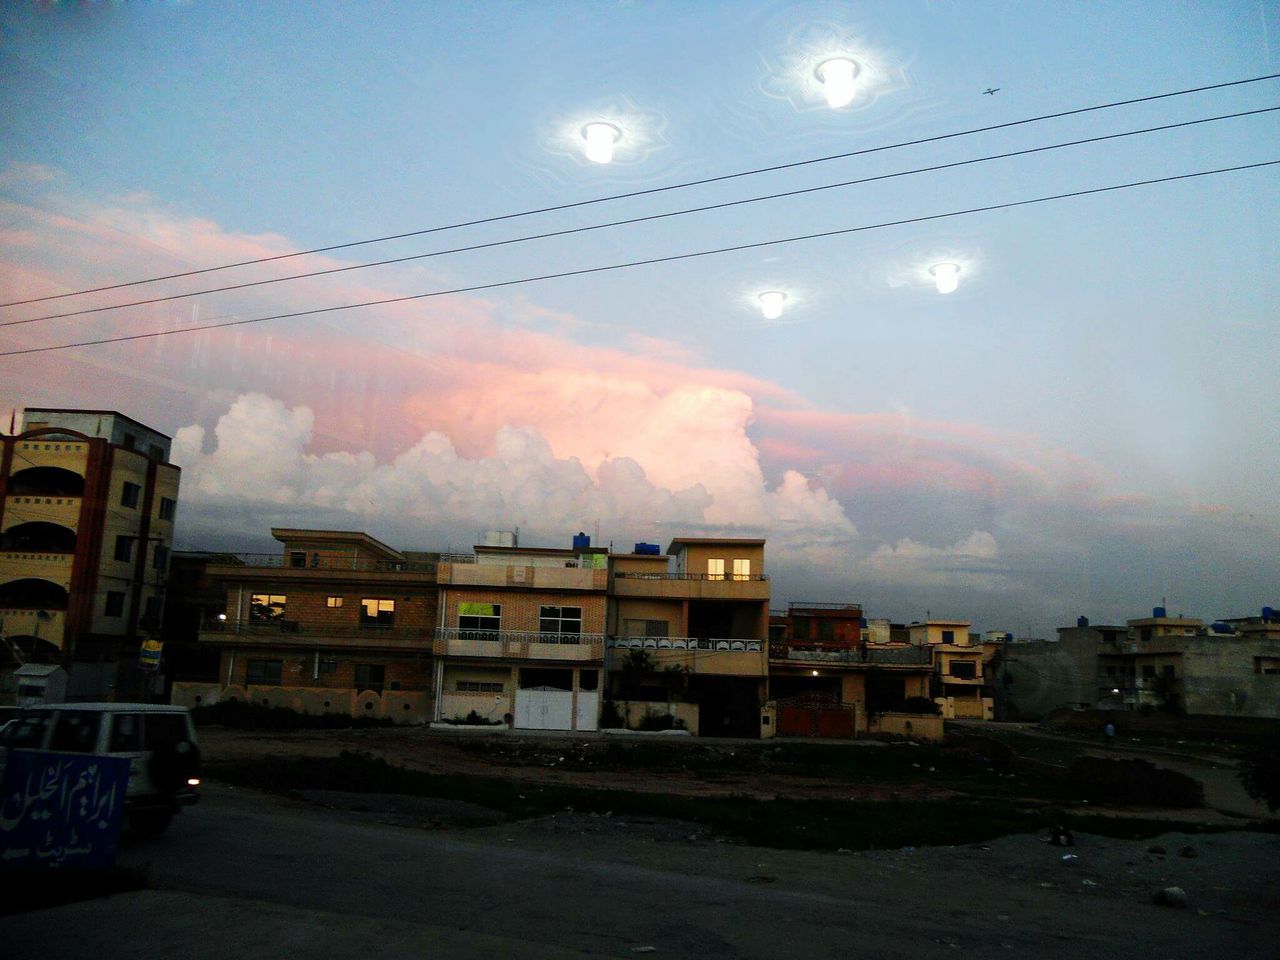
(28, 730)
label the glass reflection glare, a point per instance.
(771, 302)
(600, 139)
(946, 276)
(838, 76)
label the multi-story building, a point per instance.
(688, 635)
(520, 635)
(828, 680)
(958, 679)
(87, 505)
(336, 622)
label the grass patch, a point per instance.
(24, 890)
(782, 823)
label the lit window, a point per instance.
(267, 606)
(374, 612)
(742, 569)
(715, 569)
(333, 602)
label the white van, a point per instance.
(158, 740)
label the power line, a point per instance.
(653, 190)
(640, 263)
(634, 220)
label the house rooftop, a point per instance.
(679, 543)
(288, 535)
(29, 412)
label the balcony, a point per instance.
(45, 452)
(691, 586)
(21, 508)
(24, 564)
(910, 657)
(306, 633)
(714, 657)
(571, 576)
(228, 562)
(519, 645)
(48, 625)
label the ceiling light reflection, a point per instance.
(600, 138)
(771, 302)
(839, 80)
(946, 276)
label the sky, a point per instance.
(1085, 426)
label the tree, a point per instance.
(1260, 773)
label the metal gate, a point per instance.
(544, 708)
(810, 716)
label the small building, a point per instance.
(958, 685)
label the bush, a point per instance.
(1260, 773)
(610, 718)
(1134, 782)
(657, 721)
(474, 719)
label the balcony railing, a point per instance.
(518, 636)
(716, 577)
(325, 562)
(370, 632)
(465, 558)
(686, 643)
(795, 605)
(519, 644)
(883, 656)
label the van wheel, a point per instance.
(150, 823)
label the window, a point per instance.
(480, 618)
(126, 733)
(948, 636)
(129, 441)
(151, 609)
(742, 569)
(161, 559)
(129, 495)
(589, 680)
(564, 621)
(333, 602)
(800, 628)
(1148, 669)
(1167, 670)
(27, 731)
(263, 673)
(826, 631)
(715, 569)
(297, 558)
(124, 547)
(76, 732)
(379, 613)
(327, 665)
(167, 508)
(963, 669)
(115, 604)
(1266, 665)
(479, 686)
(370, 676)
(267, 606)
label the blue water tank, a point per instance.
(1268, 613)
(581, 541)
(1082, 622)
(1220, 627)
(1158, 612)
(863, 623)
(648, 549)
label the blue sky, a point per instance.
(1082, 426)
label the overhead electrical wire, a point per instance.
(639, 263)
(634, 220)
(649, 191)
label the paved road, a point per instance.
(245, 875)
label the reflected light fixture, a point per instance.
(946, 276)
(838, 76)
(600, 138)
(771, 302)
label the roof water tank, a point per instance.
(1082, 622)
(1220, 627)
(648, 549)
(1268, 613)
(1158, 612)
(581, 541)
(863, 623)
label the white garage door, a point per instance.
(544, 708)
(588, 709)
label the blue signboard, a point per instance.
(61, 809)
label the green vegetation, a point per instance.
(1260, 773)
(783, 823)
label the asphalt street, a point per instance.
(250, 875)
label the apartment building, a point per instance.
(958, 676)
(520, 634)
(688, 636)
(829, 680)
(87, 505)
(334, 622)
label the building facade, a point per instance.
(336, 622)
(88, 500)
(959, 681)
